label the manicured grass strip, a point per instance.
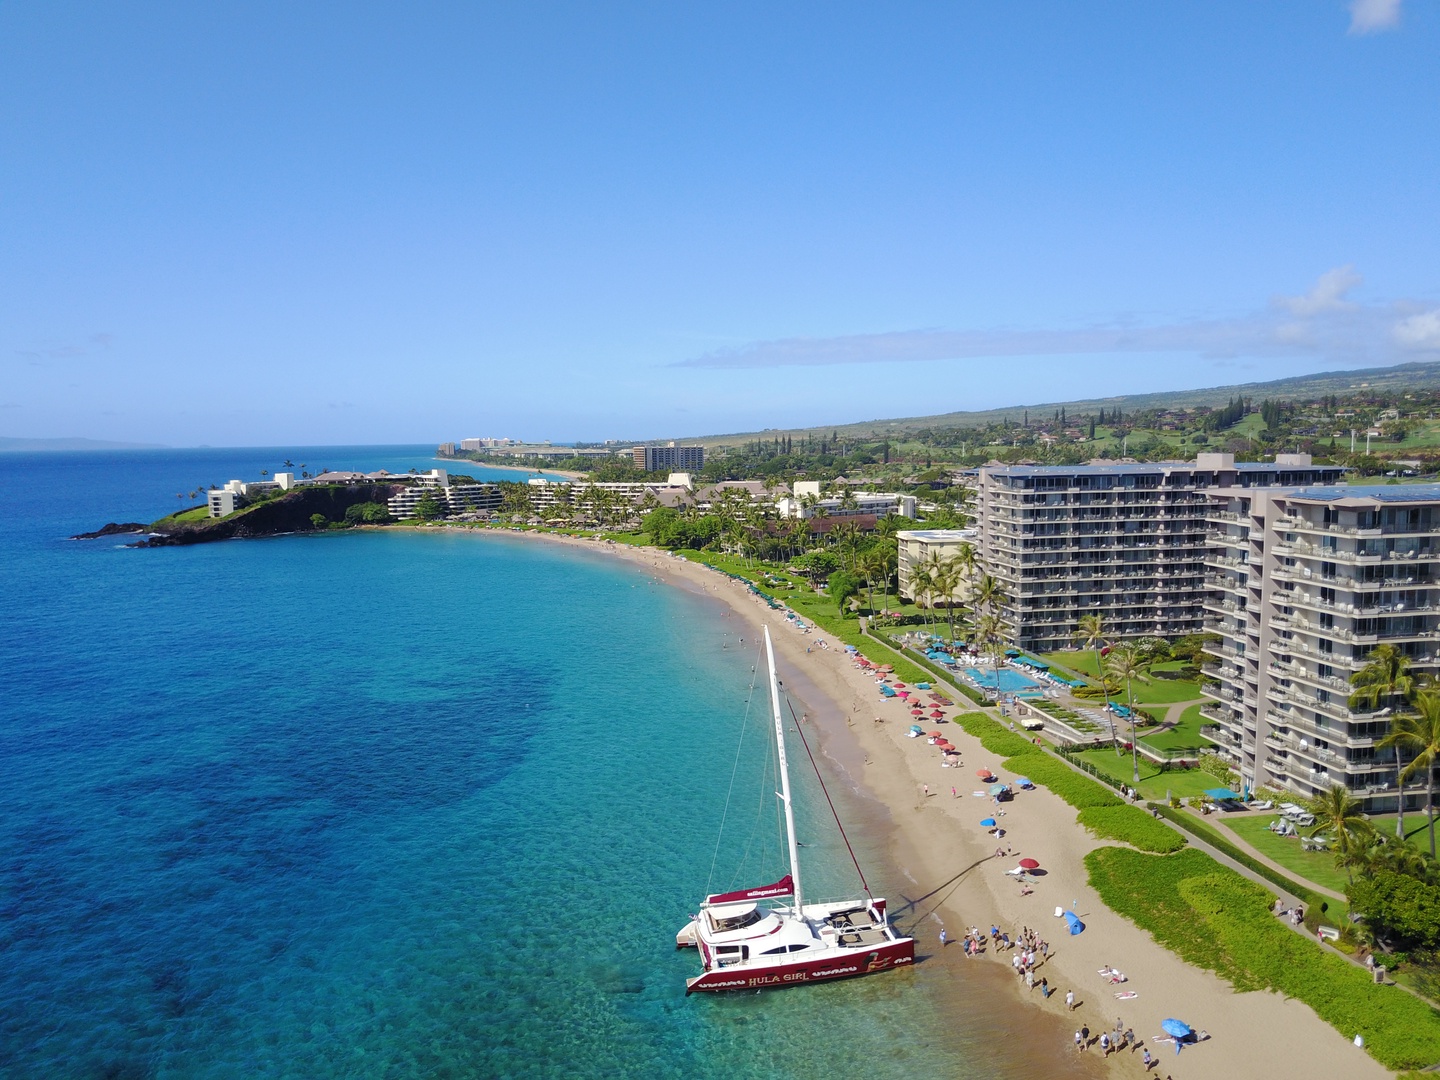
(994, 736)
(1064, 781)
(1214, 918)
(1133, 826)
(1314, 902)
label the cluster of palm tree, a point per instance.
(1413, 700)
(1359, 846)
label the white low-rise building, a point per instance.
(919, 546)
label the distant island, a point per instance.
(17, 446)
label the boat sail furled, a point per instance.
(748, 941)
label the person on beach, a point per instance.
(1085, 1034)
(1104, 1044)
(1029, 979)
(1079, 1041)
(1130, 1038)
(1044, 988)
(943, 941)
(1070, 1000)
(1145, 1058)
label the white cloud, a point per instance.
(1373, 16)
(1328, 293)
(1419, 331)
(1321, 323)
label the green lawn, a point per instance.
(1157, 691)
(1417, 828)
(1314, 866)
(1080, 663)
(1153, 783)
(1183, 738)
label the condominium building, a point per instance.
(1305, 585)
(1123, 540)
(454, 498)
(670, 456)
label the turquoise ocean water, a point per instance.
(373, 804)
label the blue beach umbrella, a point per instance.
(998, 789)
(1023, 781)
(988, 822)
(1076, 926)
(1177, 1028)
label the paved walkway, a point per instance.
(1236, 839)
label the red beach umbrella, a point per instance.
(936, 713)
(899, 684)
(1030, 864)
(936, 735)
(982, 772)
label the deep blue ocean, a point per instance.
(395, 805)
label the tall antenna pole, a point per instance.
(784, 773)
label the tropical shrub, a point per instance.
(1401, 911)
(1133, 826)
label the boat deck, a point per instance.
(863, 938)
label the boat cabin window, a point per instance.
(731, 954)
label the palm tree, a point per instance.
(1091, 635)
(1385, 678)
(1423, 729)
(990, 637)
(1127, 663)
(1338, 812)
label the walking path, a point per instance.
(1236, 839)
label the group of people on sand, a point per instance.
(1111, 1043)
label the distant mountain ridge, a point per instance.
(15, 446)
(1398, 377)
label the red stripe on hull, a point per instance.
(853, 962)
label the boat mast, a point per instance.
(784, 773)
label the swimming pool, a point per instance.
(1010, 681)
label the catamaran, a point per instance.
(749, 941)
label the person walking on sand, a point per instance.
(1104, 1044)
(1029, 979)
(1145, 1058)
(943, 941)
(1079, 1041)
(1070, 1000)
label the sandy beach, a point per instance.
(939, 843)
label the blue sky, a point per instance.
(251, 224)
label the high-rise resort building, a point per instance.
(670, 456)
(1123, 540)
(1306, 585)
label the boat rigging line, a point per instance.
(734, 769)
(826, 791)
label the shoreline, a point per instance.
(936, 842)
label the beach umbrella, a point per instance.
(1024, 781)
(937, 735)
(998, 789)
(1078, 927)
(1178, 1028)
(982, 773)
(899, 684)
(1029, 864)
(937, 714)
(988, 822)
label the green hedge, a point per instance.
(1133, 826)
(1214, 918)
(1050, 772)
(1313, 901)
(994, 736)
